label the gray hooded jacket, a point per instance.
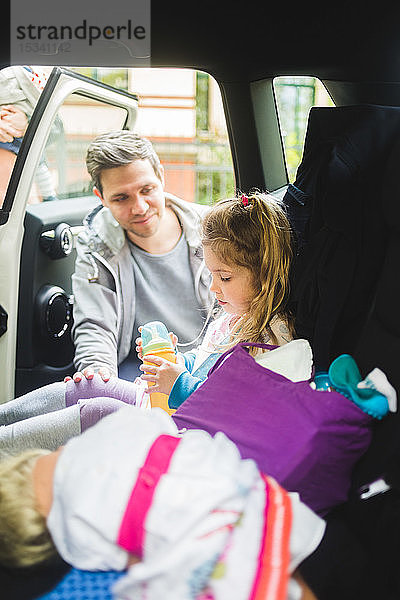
(104, 286)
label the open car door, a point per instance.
(48, 195)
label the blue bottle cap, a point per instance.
(322, 382)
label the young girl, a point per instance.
(247, 248)
(183, 515)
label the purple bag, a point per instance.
(309, 441)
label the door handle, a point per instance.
(3, 320)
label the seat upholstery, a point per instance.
(338, 208)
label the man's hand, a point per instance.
(162, 373)
(88, 374)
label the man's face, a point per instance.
(135, 196)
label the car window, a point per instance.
(294, 97)
(61, 173)
(181, 113)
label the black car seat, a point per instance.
(344, 207)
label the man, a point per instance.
(139, 258)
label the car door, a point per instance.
(48, 195)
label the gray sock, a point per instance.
(38, 402)
(47, 431)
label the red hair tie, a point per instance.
(244, 199)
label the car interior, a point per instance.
(341, 200)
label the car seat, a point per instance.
(336, 209)
(344, 209)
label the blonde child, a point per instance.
(247, 248)
(183, 515)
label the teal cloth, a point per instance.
(345, 376)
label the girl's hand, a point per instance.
(162, 373)
(174, 338)
(139, 346)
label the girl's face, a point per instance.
(232, 284)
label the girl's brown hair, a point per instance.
(254, 232)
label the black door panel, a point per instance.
(44, 347)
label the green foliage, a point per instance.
(214, 172)
(295, 96)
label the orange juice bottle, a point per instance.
(156, 341)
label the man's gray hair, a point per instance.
(116, 149)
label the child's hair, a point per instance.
(24, 537)
(254, 232)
